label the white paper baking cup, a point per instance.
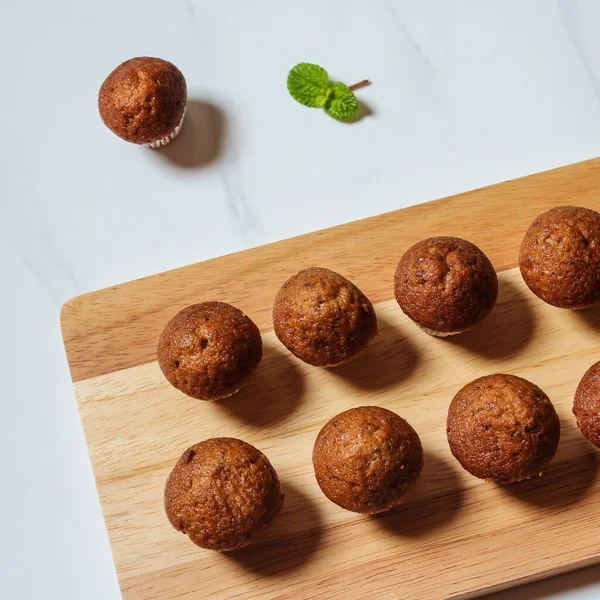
(441, 334)
(163, 141)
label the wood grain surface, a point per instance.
(455, 536)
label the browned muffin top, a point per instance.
(445, 284)
(586, 406)
(367, 459)
(222, 493)
(323, 318)
(143, 99)
(560, 257)
(502, 428)
(208, 350)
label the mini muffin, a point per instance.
(586, 406)
(223, 494)
(323, 318)
(209, 350)
(560, 257)
(143, 101)
(502, 428)
(445, 285)
(367, 459)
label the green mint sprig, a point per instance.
(309, 84)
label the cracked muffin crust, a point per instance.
(209, 350)
(322, 318)
(143, 100)
(502, 428)
(560, 257)
(586, 406)
(445, 285)
(223, 494)
(367, 459)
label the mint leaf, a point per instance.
(341, 103)
(308, 84)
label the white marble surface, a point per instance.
(465, 94)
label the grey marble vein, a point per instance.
(250, 228)
(400, 25)
(571, 21)
(34, 242)
(191, 13)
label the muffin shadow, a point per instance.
(435, 501)
(506, 331)
(200, 142)
(564, 482)
(388, 359)
(272, 393)
(290, 544)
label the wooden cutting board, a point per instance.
(455, 536)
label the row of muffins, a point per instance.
(446, 285)
(208, 350)
(223, 493)
(500, 427)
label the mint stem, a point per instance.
(360, 84)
